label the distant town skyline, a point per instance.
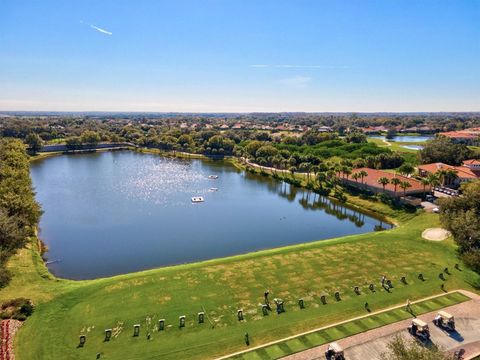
(240, 56)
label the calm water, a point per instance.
(406, 138)
(413, 147)
(118, 212)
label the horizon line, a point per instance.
(238, 112)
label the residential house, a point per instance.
(470, 170)
(370, 182)
(468, 136)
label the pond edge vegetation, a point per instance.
(382, 209)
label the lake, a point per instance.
(406, 138)
(413, 147)
(117, 212)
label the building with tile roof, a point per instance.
(370, 182)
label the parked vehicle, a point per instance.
(445, 321)
(420, 330)
(334, 352)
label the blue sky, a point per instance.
(240, 55)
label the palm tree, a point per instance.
(338, 169)
(284, 165)
(395, 182)
(355, 176)
(347, 171)
(362, 174)
(292, 170)
(433, 180)
(441, 176)
(447, 176)
(425, 182)
(405, 185)
(321, 178)
(383, 181)
(315, 170)
(308, 167)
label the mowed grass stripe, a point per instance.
(220, 287)
(297, 345)
(371, 322)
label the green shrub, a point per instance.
(18, 309)
(5, 277)
(472, 259)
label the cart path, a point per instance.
(291, 357)
(371, 344)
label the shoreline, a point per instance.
(233, 161)
(239, 164)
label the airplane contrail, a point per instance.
(103, 31)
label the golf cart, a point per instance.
(334, 352)
(445, 321)
(419, 329)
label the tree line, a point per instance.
(460, 215)
(19, 211)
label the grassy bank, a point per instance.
(174, 154)
(396, 146)
(66, 309)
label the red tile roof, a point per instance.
(459, 134)
(435, 167)
(472, 162)
(471, 133)
(463, 172)
(373, 175)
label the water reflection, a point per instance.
(120, 212)
(309, 200)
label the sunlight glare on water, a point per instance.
(155, 179)
(118, 212)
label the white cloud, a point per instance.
(296, 81)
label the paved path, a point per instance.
(469, 294)
(371, 344)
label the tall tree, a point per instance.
(34, 142)
(406, 169)
(433, 180)
(443, 149)
(362, 175)
(405, 185)
(460, 216)
(395, 182)
(384, 182)
(425, 182)
(90, 139)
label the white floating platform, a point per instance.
(197, 199)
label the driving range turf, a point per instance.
(66, 309)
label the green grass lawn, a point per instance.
(395, 146)
(65, 309)
(350, 328)
(409, 155)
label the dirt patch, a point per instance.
(436, 234)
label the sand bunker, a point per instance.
(436, 234)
